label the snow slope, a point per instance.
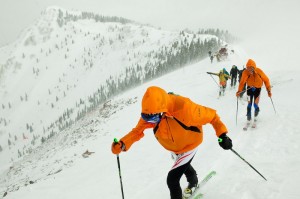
(271, 37)
(59, 171)
(49, 74)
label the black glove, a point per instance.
(225, 142)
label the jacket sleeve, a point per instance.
(228, 76)
(218, 125)
(208, 115)
(265, 79)
(136, 133)
(200, 115)
(243, 81)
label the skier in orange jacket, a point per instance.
(177, 125)
(254, 77)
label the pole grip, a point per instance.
(119, 167)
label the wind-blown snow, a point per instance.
(58, 170)
(272, 148)
(50, 70)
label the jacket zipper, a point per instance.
(170, 130)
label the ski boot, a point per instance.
(189, 190)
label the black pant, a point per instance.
(174, 176)
(233, 81)
(253, 94)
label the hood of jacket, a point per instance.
(155, 100)
(251, 63)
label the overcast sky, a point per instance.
(241, 17)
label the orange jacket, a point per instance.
(180, 129)
(254, 80)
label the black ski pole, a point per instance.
(247, 163)
(273, 104)
(119, 167)
(213, 78)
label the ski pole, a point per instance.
(273, 104)
(247, 163)
(119, 167)
(213, 78)
(237, 104)
(244, 90)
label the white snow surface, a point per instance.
(58, 170)
(272, 148)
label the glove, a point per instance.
(269, 93)
(225, 142)
(117, 147)
(238, 94)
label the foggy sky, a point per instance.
(242, 18)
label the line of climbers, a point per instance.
(177, 123)
(251, 80)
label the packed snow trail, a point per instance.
(272, 148)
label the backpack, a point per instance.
(226, 73)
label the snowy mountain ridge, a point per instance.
(56, 71)
(78, 163)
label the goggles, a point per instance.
(152, 118)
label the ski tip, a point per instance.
(199, 196)
(213, 172)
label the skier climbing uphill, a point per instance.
(233, 74)
(254, 77)
(177, 125)
(222, 81)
